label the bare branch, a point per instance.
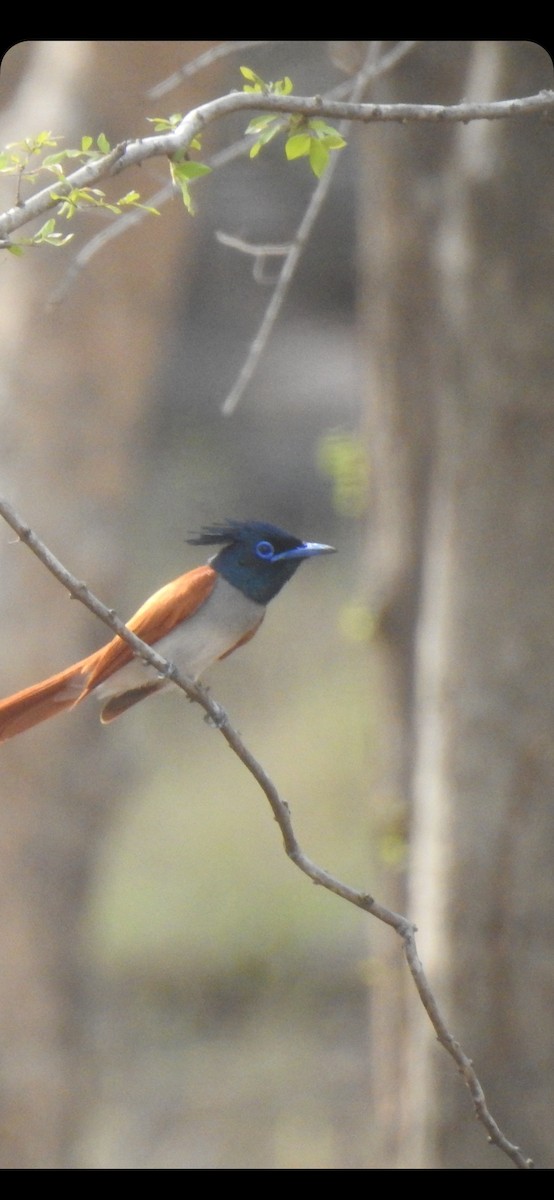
(259, 343)
(222, 50)
(402, 926)
(263, 251)
(258, 252)
(319, 194)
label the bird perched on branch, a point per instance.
(197, 619)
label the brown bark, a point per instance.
(75, 388)
(463, 437)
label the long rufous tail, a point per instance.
(173, 603)
(35, 704)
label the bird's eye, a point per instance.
(265, 550)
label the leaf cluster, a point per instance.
(27, 160)
(183, 169)
(305, 137)
(33, 157)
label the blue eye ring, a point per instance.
(265, 551)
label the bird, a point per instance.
(197, 619)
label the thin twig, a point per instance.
(282, 287)
(222, 50)
(381, 65)
(402, 926)
(268, 250)
(131, 219)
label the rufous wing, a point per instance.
(174, 603)
(157, 617)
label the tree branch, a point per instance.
(402, 926)
(132, 153)
(129, 220)
(220, 159)
(221, 50)
(288, 270)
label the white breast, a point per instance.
(224, 618)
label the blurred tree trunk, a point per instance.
(75, 385)
(457, 264)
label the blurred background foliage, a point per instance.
(203, 962)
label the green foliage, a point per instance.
(42, 154)
(17, 158)
(283, 87)
(305, 137)
(168, 124)
(27, 160)
(78, 198)
(47, 235)
(183, 171)
(393, 850)
(357, 622)
(342, 457)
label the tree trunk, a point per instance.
(458, 268)
(74, 390)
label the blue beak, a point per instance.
(306, 550)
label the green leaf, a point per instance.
(298, 145)
(15, 249)
(52, 162)
(265, 137)
(321, 127)
(334, 141)
(103, 143)
(283, 87)
(258, 123)
(258, 84)
(247, 73)
(46, 138)
(319, 157)
(161, 124)
(181, 183)
(190, 170)
(49, 235)
(132, 200)
(8, 162)
(327, 134)
(86, 143)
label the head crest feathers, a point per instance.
(240, 531)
